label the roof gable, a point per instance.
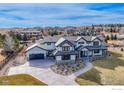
(78, 38)
(62, 41)
(96, 38)
(66, 41)
(35, 46)
(82, 47)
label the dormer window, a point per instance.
(96, 43)
(80, 42)
(65, 48)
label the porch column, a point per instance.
(58, 58)
(73, 57)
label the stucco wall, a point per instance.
(58, 58)
(73, 57)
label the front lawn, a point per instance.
(108, 71)
(20, 79)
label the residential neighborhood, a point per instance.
(49, 44)
(63, 58)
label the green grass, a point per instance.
(108, 71)
(20, 79)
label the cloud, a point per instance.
(29, 15)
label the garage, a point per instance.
(36, 56)
(36, 52)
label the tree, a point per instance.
(2, 37)
(8, 44)
(115, 37)
(18, 36)
(122, 49)
(111, 36)
(107, 37)
(16, 41)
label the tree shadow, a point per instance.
(110, 62)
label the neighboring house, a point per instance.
(68, 48)
(30, 33)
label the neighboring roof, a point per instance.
(57, 53)
(28, 31)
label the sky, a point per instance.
(43, 15)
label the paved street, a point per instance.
(40, 70)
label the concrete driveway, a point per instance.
(40, 69)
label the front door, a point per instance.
(66, 57)
(83, 53)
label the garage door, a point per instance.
(36, 56)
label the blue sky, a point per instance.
(31, 15)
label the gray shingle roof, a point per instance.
(57, 53)
(51, 39)
(69, 38)
(36, 45)
(92, 47)
(60, 41)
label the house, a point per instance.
(30, 33)
(68, 48)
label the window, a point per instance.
(96, 51)
(81, 43)
(66, 48)
(96, 43)
(48, 43)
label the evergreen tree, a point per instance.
(122, 49)
(18, 36)
(115, 37)
(112, 37)
(107, 37)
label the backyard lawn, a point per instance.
(20, 79)
(108, 71)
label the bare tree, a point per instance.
(8, 44)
